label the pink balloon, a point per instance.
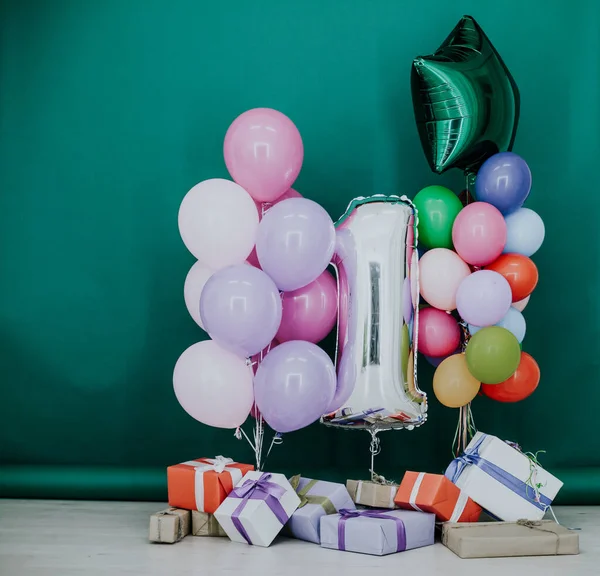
(309, 313)
(479, 233)
(263, 152)
(263, 208)
(439, 333)
(520, 305)
(440, 272)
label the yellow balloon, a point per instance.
(454, 386)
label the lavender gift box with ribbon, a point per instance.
(503, 480)
(377, 532)
(317, 498)
(257, 508)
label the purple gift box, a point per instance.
(317, 498)
(377, 532)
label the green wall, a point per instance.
(111, 110)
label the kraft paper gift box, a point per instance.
(377, 532)
(169, 526)
(372, 494)
(503, 480)
(204, 483)
(435, 493)
(205, 524)
(317, 498)
(258, 508)
(497, 539)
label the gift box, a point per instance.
(377, 532)
(435, 493)
(496, 539)
(317, 498)
(204, 483)
(372, 494)
(205, 524)
(257, 508)
(504, 481)
(169, 526)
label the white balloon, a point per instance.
(525, 232)
(213, 385)
(218, 221)
(520, 305)
(192, 289)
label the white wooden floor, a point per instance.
(63, 538)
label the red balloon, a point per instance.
(439, 334)
(519, 386)
(520, 271)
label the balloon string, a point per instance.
(465, 430)
(375, 448)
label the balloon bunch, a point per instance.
(253, 238)
(478, 264)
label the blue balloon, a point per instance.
(525, 232)
(504, 180)
(513, 321)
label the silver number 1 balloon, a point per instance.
(377, 265)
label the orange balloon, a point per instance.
(453, 384)
(520, 271)
(519, 386)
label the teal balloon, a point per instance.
(465, 100)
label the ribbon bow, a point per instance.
(219, 463)
(471, 457)
(306, 498)
(259, 489)
(346, 514)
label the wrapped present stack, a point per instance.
(220, 497)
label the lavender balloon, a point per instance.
(483, 298)
(504, 180)
(295, 242)
(294, 385)
(240, 308)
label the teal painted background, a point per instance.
(110, 111)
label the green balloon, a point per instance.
(465, 100)
(438, 207)
(404, 350)
(493, 354)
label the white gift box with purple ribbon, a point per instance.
(257, 508)
(377, 532)
(503, 480)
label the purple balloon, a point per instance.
(294, 385)
(504, 180)
(407, 305)
(436, 361)
(483, 298)
(240, 308)
(295, 242)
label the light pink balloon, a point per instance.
(439, 334)
(309, 313)
(263, 208)
(218, 223)
(520, 305)
(192, 289)
(213, 385)
(440, 273)
(263, 152)
(479, 233)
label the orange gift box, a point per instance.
(435, 493)
(204, 483)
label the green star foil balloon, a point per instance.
(465, 100)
